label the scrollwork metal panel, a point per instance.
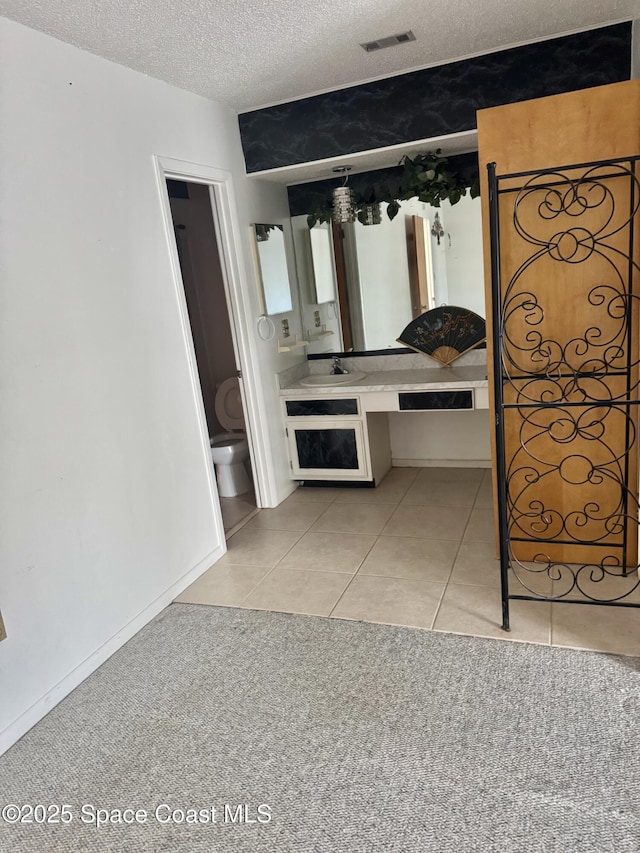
(565, 251)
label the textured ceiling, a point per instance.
(251, 53)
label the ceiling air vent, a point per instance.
(389, 41)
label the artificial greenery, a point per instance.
(428, 177)
(262, 231)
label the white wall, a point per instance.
(462, 246)
(441, 438)
(105, 503)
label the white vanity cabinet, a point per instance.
(333, 439)
(342, 434)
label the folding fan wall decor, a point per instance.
(445, 333)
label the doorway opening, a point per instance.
(211, 330)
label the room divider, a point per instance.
(562, 253)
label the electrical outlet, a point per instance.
(316, 317)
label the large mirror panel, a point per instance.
(318, 289)
(387, 274)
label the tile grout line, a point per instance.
(446, 586)
(397, 504)
(448, 581)
(274, 567)
(437, 610)
(342, 594)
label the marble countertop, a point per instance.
(425, 379)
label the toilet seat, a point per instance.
(226, 440)
(228, 405)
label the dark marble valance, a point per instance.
(433, 102)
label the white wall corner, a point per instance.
(19, 727)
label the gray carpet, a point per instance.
(358, 738)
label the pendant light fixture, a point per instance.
(344, 208)
(370, 214)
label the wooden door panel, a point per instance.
(420, 266)
(566, 247)
(564, 272)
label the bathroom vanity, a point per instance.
(337, 426)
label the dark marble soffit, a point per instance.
(433, 102)
(316, 195)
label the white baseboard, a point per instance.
(56, 694)
(441, 463)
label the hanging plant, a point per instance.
(368, 204)
(262, 231)
(427, 177)
(319, 215)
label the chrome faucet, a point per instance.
(337, 367)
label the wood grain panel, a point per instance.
(418, 272)
(578, 327)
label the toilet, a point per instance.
(230, 450)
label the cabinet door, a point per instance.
(327, 450)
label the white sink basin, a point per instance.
(329, 379)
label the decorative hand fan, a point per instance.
(444, 333)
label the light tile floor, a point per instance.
(416, 551)
(237, 511)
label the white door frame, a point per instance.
(225, 220)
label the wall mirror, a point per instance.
(387, 274)
(315, 261)
(323, 265)
(273, 274)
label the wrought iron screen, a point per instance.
(565, 251)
